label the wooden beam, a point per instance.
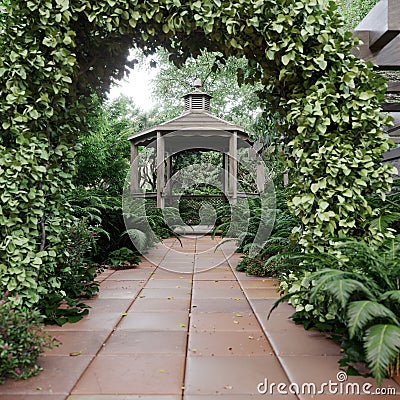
(391, 107)
(379, 31)
(393, 87)
(383, 23)
(378, 42)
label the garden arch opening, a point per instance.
(55, 54)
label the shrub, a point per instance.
(123, 258)
(22, 340)
(75, 278)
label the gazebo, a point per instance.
(196, 129)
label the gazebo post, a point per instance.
(160, 170)
(168, 188)
(225, 174)
(260, 177)
(134, 169)
(233, 167)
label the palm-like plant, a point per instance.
(370, 309)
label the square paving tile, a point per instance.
(90, 322)
(200, 285)
(278, 316)
(136, 342)
(178, 293)
(131, 275)
(258, 293)
(107, 305)
(244, 343)
(214, 276)
(169, 284)
(58, 377)
(122, 285)
(85, 342)
(169, 274)
(233, 375)
(163, 304)
(117, 293)
(211, 322)
(299, 342)
(234, 305)
(155, 321)
(133, 374)
(260, 283)
(229, 292)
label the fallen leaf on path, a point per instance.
(182, 325)
(235, 322)
(171, 298)
(238, 315)
(124, 314)
(75, 353)
(228, 387)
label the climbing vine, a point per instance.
(54, 53)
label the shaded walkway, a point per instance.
(170, 332)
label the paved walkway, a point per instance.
(190, 328)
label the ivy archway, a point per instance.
(55, 52)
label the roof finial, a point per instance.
(198, 84)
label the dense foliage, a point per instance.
(22, 340)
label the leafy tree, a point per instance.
(103, 159)
(236, 103)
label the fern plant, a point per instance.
(371, 315)
(361, 285)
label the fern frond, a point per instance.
(382, 347)
(138, 238)
(392, 295)
(360, 313)
(342, 289)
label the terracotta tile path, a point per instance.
(188, 328)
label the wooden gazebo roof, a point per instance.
(196, 120)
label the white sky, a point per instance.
(137, 86)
